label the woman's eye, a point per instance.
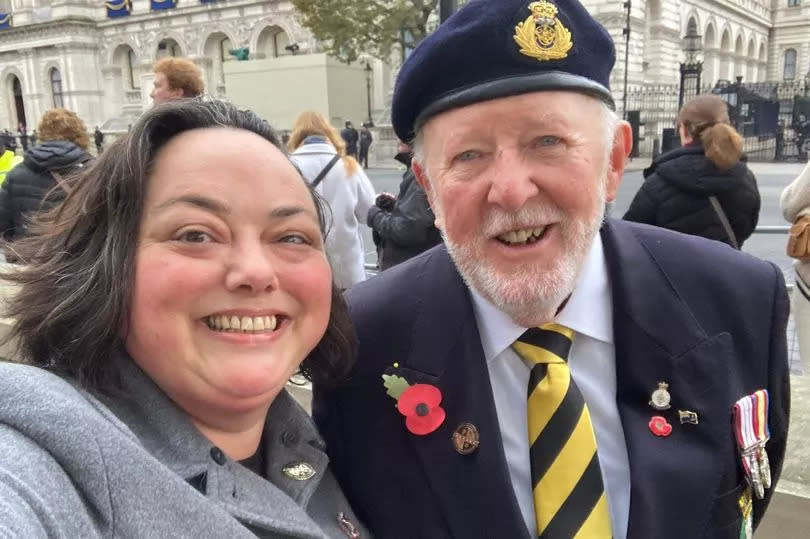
(296, 239)
(468, 155)
(547, 140)
(195, 236)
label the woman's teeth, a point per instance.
(526, 236)
(242, 324)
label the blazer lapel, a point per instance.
(475, 491)
(674, 478)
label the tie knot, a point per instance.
(549, 343)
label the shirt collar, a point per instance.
(589, 310)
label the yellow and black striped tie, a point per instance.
(569, 498)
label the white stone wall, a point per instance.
(791, 30)
(92, 52)
(658, 26)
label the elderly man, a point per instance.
(548, 372)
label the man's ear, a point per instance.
(422, 178)
(622, 146)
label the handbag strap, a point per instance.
(325, 171)
(61, 181)
(718, 209)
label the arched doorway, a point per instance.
(124, 58)
(19, 102)
(168, 47)
(273, 42)
(217, 48)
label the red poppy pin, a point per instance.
(419, 403)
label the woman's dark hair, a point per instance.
(706, 120)
(74, 286)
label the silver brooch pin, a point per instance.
(300, 471)
(660, 397)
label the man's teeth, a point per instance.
(242, 324)
(528, 235)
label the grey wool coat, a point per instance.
(72, 465)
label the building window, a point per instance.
(790, 65)
(794, 3)
(56, 88)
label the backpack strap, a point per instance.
(318, 179)
(718, 209)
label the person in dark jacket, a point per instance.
(403, 226)
(30, 185)
(678, 185)
(351, 137)
(366, 138)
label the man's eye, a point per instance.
(468, 155)
(195, 236)
(547, 140)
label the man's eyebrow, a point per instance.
(197, 201)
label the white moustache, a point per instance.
(497, 221)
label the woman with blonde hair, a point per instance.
(705, 187)
(37, 183)
(320, 154)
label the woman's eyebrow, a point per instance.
(197, 201)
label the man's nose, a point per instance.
(512, 182)
(252, 268)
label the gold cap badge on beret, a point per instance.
(542, 35)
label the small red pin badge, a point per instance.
(659, 426)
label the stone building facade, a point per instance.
(758, 40)
(71, 53)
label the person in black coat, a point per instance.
(403, 226)
(351, 137)
(29, 187)
(678, 185)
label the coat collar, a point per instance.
(289, 437)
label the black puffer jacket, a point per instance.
(28, 183)
(676, 191)
(408, 229)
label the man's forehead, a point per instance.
(537, 108)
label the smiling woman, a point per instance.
(162, 308)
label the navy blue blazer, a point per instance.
(706, 318)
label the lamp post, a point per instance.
(369, 72)
(692, 67)
(626, 31)
(447, 8)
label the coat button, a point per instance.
(218, 456)
(289, 438)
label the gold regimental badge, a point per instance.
(542, 35)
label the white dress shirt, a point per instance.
(592, 360)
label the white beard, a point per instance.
(527, 294)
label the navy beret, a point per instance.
(499, 48)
